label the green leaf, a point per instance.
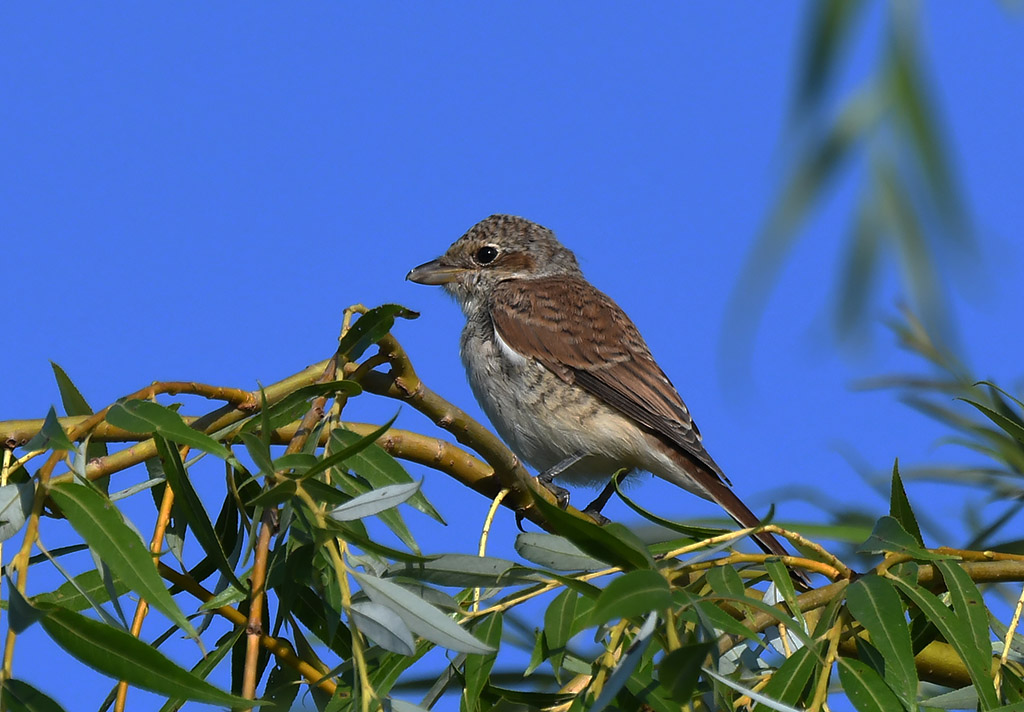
(374, 502)
(1011, 426)
(789, 682)
(51, 436)
(680, 669)
(191, 507)
(122, 656)
(421, 617)
(478, 667)
(377, 467)
(370, 328)
(959, 634)
(141, 416)
(875, 604)
(20, 696)
(554, 552)
(612, 543)
(726, 582)
(558, 621)
(22, 613)
(889, 535)
(207, 664)
(783, 581)
(684, 529)
(865, 688)
(73, 400)
(899, 506)
(68, 594)
(278, 494)
(104, 530)
(971, 612)
(294, 404)
(630, 595)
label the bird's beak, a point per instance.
(434, 272)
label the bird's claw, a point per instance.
(561, 494)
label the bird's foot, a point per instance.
(547, 481)
(596, 515)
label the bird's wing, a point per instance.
(583, 337)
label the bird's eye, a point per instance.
(486, 255)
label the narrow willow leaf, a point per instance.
(20, 696)
(76, 595)
(970, 610)
(789, 682)
(465, 570)
(187, 499)
(875, 604)
(784, 585)
(294, 404)
(889, 535)
(612, 543)
(557, 631)
(554, 552)
(15, 505)
(370, 328)
(383, 626)
(478, 667)
(1011, 426)
(140, 416)
(51, 436)
(632, 594)
(684, 529)
(421, 617)
(22, 613)
(957, 633)
(379, 468)
(899, 506)
(122, 656)
(105, 531)
(726, 582)
(73, 400)
(374, 501)
(865, 688)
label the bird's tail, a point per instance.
(725, 498)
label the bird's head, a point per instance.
(496, 249)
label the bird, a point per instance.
(563, 373)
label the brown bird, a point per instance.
(563, 373)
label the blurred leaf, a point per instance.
(379, 468)
(478, 667)
(554, 552)
(829, 24)
(899, 506)
(421, 617)
(369, 328)
(51, 436)
(865, 688)
(632, 594)
(628, 663)
(122, 656)
(141, 416)
(192, 508)
(15, 506)
(612, 543)
(374, 501)
(383, 626)
(104, 529)
(20, 696)
(875, 604)
(679, 670)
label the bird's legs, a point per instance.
(547, 479)
(594, 508)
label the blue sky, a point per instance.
(197, 192)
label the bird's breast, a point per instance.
(542, 418)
